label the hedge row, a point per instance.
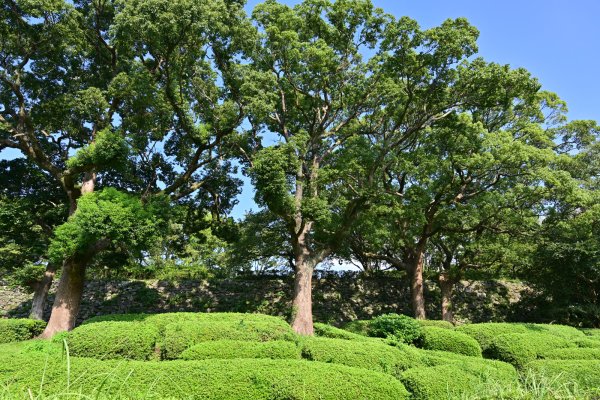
(372, 355)
(230, 349)
(434, 338)
(207, 379)
(584, 373)
(572, 354)
(324, 330)
(16, 330)
(519, 349)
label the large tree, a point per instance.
(335, 93)
(121, 93)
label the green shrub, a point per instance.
(520, 348)
(475, 365)
(585, 373)
(572, 354)
(435, 322)
(112, 339)
(448, 340)
(564, 331)
(324, 330)
(359, 326)
(486, 332)
(588, 342)
(240, 379)
(227, 349)
(179, 336)
(401, 327)
(592, 332)
(371, 355)
(449, 381)
(16, 330)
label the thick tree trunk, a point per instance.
(446, 287)
(68, 298)
(302, 320)
(417, 294)
(40, 294)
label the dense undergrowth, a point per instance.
(253, 356)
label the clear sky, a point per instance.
(557, 41)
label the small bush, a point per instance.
(449, 381)
(16, 330)
(572, 354)
(401, 327)
(228, 349)
(111, 339)
(371, 355)
(475, 365)
(588, 342)
(592, 332)
(564, 331)
(448, 340)
(486, 332)
(324, 330)
(181, 335)
(585, 373)
(359, 326)
(240, 379)
(435, 322)
(519, 349)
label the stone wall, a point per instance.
(337, 299)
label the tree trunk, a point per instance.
(68, 298)
(302, 320)
(417, 295)
(40, 295)
(446, 287)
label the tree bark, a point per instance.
(446, 287)
(68, 297)
(417, 294)
(40, 294)
(302, 320)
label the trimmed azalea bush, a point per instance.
(564, 331)
(435, 338)
(588, 342)
(585, 373)
(181, 335)
(486, 332)
(324, 330)
(207, 379)
(372, 354)
(398, 326)
(435, 322)
(358, 326)
(113, 339)
(228, 349)
(572, 354)
(519, 349)
(19, 329)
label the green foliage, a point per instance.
(585, 373)
(109, 339)
(486, 332)
(112, 219)
(401, 327)
(15, 330)
(328, 331)
(449, 381)
(360, 327)
(443, 339)
(227, 349)
(370, 354)
(108, 149)
(573, 354)
(435, 323)
(519, 349)
(181, 335)
(207, 379)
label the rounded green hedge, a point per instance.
(572, 354)
(519, 349)
(435, 322)
(228, 349)
(486, 332)
(588, 342)
(324, 330)
(585, 373)
(401, 327)
(19, 329)
(359, 326)
(372, 354)
(208, 379)
(443, 339)
(179, 336)
(112, 339)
